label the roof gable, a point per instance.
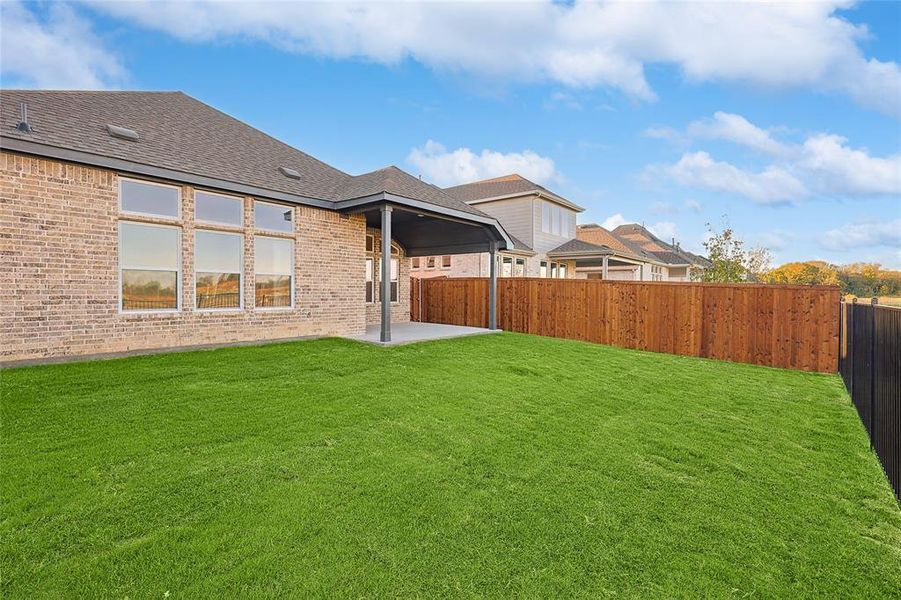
(505, 186)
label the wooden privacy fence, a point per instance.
(870, 365)
(795, 327)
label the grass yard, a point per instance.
(504, 465)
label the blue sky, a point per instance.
(782, 120)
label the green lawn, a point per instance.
(503, 465)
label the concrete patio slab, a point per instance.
(408, 333)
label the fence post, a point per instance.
(873, 302)
(852, 329)
(841, 337)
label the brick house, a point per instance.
(149, 220)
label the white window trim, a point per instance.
(293, 274)
(179, 292)
(240, 306)
(240, 199)
(150, 215)
(256, 227)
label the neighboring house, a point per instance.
(138, 220)
(548, 243)
(537, 220)
(675, 264)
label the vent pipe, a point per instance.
(23, 125)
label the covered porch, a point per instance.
(425, 229)
(598, 262)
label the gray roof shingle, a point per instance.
(182, 134)
(500, 186)
(576, 245)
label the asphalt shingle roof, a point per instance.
(580, 246)
(596, 234)
(499, 186)
(179, 133)
(665, 253)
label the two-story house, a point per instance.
(538, 221)
(547, 242)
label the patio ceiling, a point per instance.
(425, 233)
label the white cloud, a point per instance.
(693, 205)
(444, 168)
(665, 230)
(736, 129)
(777, 239)
(843, 170)
(614, 221)
(59, 51)
(823, 164)
(773, 185)
(862, 235)
(804, 45)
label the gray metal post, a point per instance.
(386, 274)
(605, 267)
(492, 286)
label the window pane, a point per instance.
(415, 263)
(562, 271)
(368, 291)
(149, 198)
(542, 270)
(393, 291)
(218, 252)
(218, 290)
(369, 243)
(507, 268)
(520, 268)
(274, 217)
(148, 247)
(273, 255)
(430, 262)
(394, 269)
(149, 290)
(216, 208)
(273, 291)
(369, 274)
(446, 262)
(545, 217)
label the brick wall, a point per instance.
(400, 310)
(59, 278)
(477, 265)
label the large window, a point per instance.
(149, 267)
(542, 270)
(153, 199)
(562, 271)
(555, 219)
(273, 217)
(216, 208)
(506, 267)
(446, 262)
(218, 266)
(374, 271)
(415, 263)
(519, 269)
(274, 268)
(553, 270)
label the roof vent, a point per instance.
(23, 125)
(293, 174)
(122, 133)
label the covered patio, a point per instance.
(597, 261)
(426, 222)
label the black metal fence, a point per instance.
(870, 365)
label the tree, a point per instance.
(731, 264)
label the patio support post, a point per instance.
(605, 267)
(492, 286)
(386, 274)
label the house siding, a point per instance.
(516, 214)
(59, 286)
